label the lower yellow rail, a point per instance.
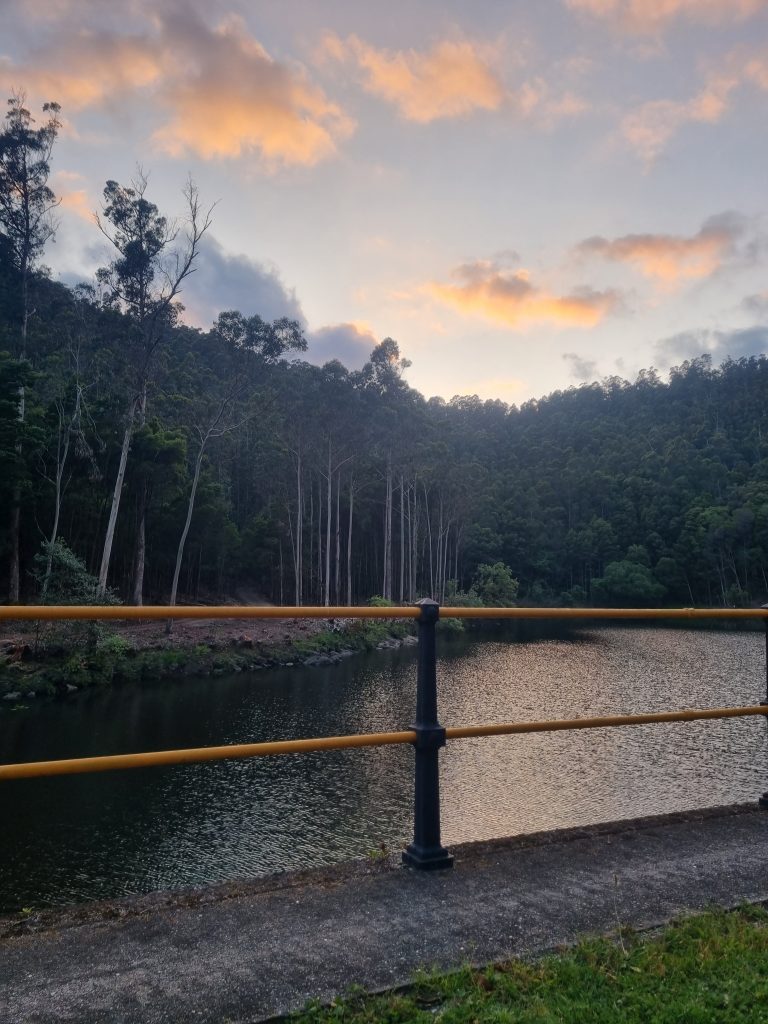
(601, 722)
(80, 765)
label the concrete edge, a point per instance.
(333, 876)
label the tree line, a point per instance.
(174, 463)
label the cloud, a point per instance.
(71, 198)
(510, 298)
(452, 79)
(580, 368)
(85, 69)
(233, 98)
(756, 303)
(720, 345)
(648, 16)
(672, 258)
(651, 126)
(350, 343)
(220, 93)
(756, 71)
(224, 281)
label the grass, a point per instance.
(709, 968)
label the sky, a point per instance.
(526, 196)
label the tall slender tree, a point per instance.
(26, 220)
(154, 257)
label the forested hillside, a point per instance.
(214, 462)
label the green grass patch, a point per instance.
(709, 968)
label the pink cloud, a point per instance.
(647, 16)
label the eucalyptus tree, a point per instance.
(26, 223)
(154, 258)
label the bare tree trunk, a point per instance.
(320, 540)
(402, 543)
(327, 594)
(140, 550)
(349, 538)
(386, 589)
(62, 450)
(429, 534)
(14, 569)
(337, 573)
(116, 495)
(311, 538)
(281, 570)
(297, 554)
(184, 532)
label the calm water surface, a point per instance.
(90, 837)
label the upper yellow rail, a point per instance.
(56, 612)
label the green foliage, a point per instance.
(612, 492)
(70, 582)
(495, 585)
(707, 968)
(627, 584)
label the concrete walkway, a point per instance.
(246, 952)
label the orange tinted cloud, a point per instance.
(222, 94)
(234, 98)
(452, 79)
(649, 128)
(86, 69)
(756, 71)
(483, 288)
(651, 15)
(672, 258)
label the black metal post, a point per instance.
(763, 801)
(426, 851)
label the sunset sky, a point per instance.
(525, 195)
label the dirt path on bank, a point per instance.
(249, 951)
(214, 633)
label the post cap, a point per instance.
(430, 610)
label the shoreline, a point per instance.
(133, 653)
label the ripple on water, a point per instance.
(87, 837)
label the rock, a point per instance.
(316, 660)
(345, 654)
(11, 696)
(72, 689)
(410, 641)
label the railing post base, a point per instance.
(427, 860)
(763, 802)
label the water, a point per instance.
(84, 837)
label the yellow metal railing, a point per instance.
(427, 735)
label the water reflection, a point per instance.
(87, 837)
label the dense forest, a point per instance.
(176, 463)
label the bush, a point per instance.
(68, 582)
(495, 585)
